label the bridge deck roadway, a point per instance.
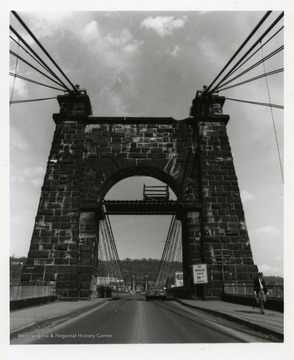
(25, 320)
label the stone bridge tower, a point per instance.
(90, 154)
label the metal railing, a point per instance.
(20, 292)
(274, 290)
(155, 193)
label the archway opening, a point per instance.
(140, 239)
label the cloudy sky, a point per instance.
(150, 63)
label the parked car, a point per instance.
(155, 294)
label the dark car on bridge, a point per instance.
(155, 294)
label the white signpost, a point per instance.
(200, 274)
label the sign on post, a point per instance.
(200, 274)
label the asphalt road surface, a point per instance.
(134, 320)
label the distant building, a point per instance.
(106, 280)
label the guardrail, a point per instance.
(275, 290)
(21, 292)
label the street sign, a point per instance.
(200, 274)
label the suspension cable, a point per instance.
(37, 56)
(240, 48)
(13, 85)
(257, 103)
(254, 78)
(171, 255)
(44, 50)
(114, 248)
(273, 121)
(25, 101)
(256, 51)
(34, 58)
(33, 67)
(33, 81)
(248, 51)
(275, 52)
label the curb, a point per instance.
(237, 320)
(65, 316)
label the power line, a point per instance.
(44, 50)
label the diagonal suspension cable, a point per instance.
(33, 81)
(38, 57)
(172, 254)
(273, 121)
(13, 85)
(274, 72)
(254, 65)
(105, 267)
(248, 51)
(108, 259)
(113, 247)
(239, 49)
(44, 50)
(31, 100)
(33, 57)
(256, 51)
(257, 103)
(33, 67)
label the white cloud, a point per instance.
(246, 196)
(46, 23)
(174, 51)
(18, 87)
(91, 32)
(164, 25)
(124, 42)
(270, 270)
(114, 50)
(212, 52)
(268, 230)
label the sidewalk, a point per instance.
(272, 322)
(26, 319)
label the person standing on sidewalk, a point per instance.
(260, 290)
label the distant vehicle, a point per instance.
(155, 294)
